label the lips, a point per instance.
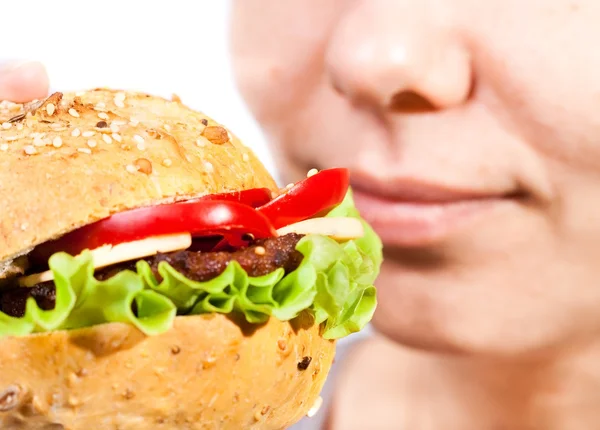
(413, 213)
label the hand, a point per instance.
(23, 82)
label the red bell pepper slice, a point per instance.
(236, 223)
(253, 197)
(307, 198)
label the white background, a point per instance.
(161, 47)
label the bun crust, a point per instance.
(205, 373)
(73, 159)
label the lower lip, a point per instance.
(417, 224)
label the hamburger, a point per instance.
(154, 276)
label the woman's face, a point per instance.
(472, 132)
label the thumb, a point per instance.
(23, 81)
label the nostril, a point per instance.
(410, 102)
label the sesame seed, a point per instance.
(312, 172)
(245, 157)
(57, 142)
(260, 250)
(20, 126)
(24, 226)
(80, 93)
(101, 105)
(201, 143)
(88, 133)
(289, 186)
(107, 139)
(114, 128)
(91, 143)
(4, 147)
(10, 138)
(131, 168)
(138, 139)
(76, 133)
(133, 122)
(101, 124)
(209, 167)
(102, 115)
(73, 113)
(38, 141)
(167, 127)
(315, 408)
(6, 125)
(117, 137)
(120, 96)
(119, 103)
(143, 165)
(50, 108)
(167, 162)
(84, 150)
(30, 150)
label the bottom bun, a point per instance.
(207, 372)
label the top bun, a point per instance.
(73, 159)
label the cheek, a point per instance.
(278, 62)
(533, 86)
(327, 131)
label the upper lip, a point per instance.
(419, 190)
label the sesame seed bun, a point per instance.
(73, 159)
(207, 372)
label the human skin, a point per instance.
(471, 130)
(23, 81)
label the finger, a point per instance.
(23, 82)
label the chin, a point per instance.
(437, 314)
(411, 315)
(415, 336)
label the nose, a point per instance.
(400, 55)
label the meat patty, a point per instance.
(262, 257)
(13, 301)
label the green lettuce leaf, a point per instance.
(334, 281)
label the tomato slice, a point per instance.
(307, 198)
(234, 222)
(254, 197)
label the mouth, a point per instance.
(416, 214)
